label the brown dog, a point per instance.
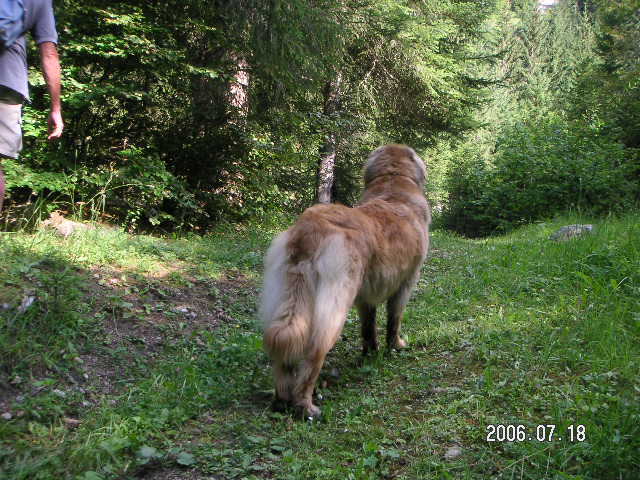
(335, 257)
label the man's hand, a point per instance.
(55, 125)
(51, 72)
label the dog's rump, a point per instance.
(305, 295)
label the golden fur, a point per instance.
(335, 257)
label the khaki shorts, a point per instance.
(10, 123)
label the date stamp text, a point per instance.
(539, 433)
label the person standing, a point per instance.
(40, 23)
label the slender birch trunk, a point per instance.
(327, 160)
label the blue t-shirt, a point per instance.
(39, 21)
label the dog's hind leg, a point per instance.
(322, 341)
(284, 380)
(395, 308)
(306, 377)
(335, 292)
(332, 304)
(367, 314)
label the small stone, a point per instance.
(437, 390)
(571, 231)
(27, 301)
(335, 373)
(6, 416)
(452, 453)
(71, 422)
(20, 398)
(59, 393)
(86, 404)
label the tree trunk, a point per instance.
(239, 88)
(327, 160)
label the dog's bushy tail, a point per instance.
(286, 305)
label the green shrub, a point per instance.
(138, 188)
(135, 187)
(538, 170)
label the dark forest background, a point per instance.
(183, 114)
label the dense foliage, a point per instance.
(539, 170)
(182, 113)
(560, 128)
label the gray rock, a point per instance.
(27, 301)
(571, 231)
(452, 453)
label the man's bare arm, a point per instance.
(51, 72)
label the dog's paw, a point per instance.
(397, 344)
(312, 412)
(309, 411)
(400, 343)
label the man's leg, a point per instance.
(1, 187)
(10, 131)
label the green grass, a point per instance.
(512, 330)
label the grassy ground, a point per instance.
(136, 357)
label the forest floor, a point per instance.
(139, 357)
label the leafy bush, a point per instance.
(135, 186)
(138, 188)
(538, 170)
